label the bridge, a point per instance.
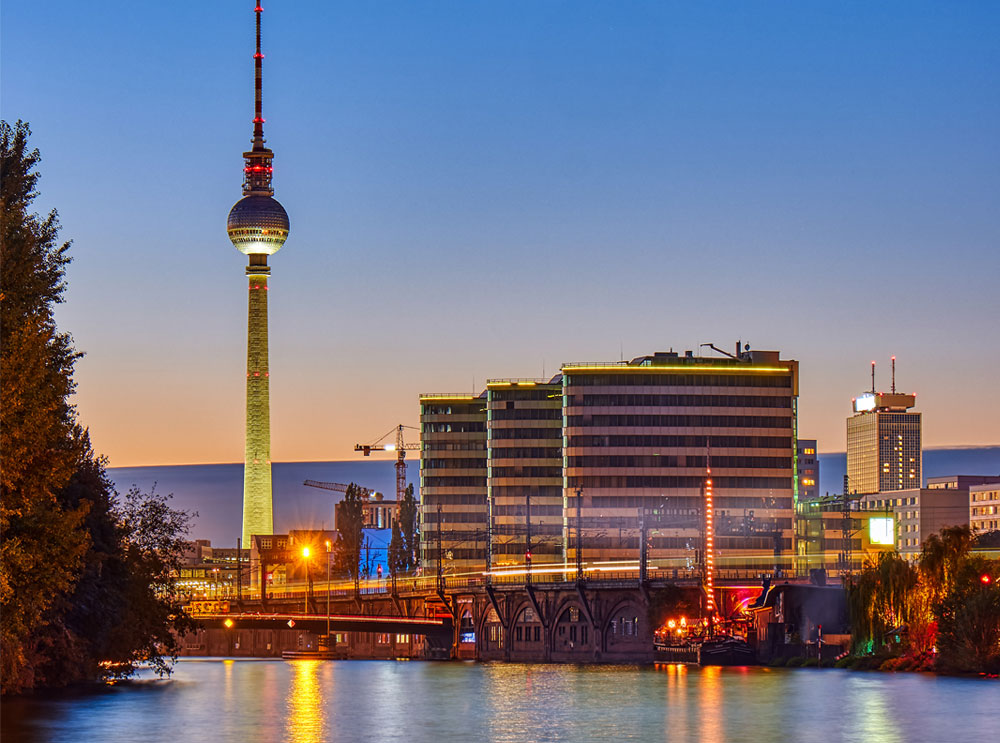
(551, 614)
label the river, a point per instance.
(218, 701)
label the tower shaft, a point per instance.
(257, 506)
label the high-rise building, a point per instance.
(524, 475)
(648, 443)
(640, 435)
(453, 510)
(883, 443)
(258, 227)
(808, 470)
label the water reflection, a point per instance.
(305, 704)
(710, 709)
(314, 701)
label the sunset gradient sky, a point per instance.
(487, 189)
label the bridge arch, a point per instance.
(572, 635)
(527, 634)
(626, 628)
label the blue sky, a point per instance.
(486, 189)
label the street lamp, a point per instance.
(328, 546)
(305, 557)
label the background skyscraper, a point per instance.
(884, 450)
(258, 227)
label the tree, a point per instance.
(880, 599)
(43, 544)
(407, 517)
(396, 554)
(350, 526)
(86, 581)
(968, 617)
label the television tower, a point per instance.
(258, 227)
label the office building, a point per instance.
(883, 444)
(453, 508)
(640, 436)
(524, 476)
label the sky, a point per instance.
(489, 189)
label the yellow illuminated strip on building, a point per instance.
(688, 368)
(432, 398)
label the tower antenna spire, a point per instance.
(258, 67)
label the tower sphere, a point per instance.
(257, 224)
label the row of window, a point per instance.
(526, 414)
(707, 401)
(526, 433)
(526, 471)
(479, 445)
(456, 427)
(675, 481)
(470, 463)
(526, 452)
(669, 460)
(679, 421)
(668, 379)
(456, 499)
(537, 394)
(454, 481)
(519, 491)
(521, 509)
(439, 409)
(674, 505)
(716, 442)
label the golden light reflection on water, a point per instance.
(710, 709)
(305, 705)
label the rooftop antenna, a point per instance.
(894, 375)
(873, 377)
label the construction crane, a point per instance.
(400, 447)
(338, 487)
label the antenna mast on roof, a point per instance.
(894, 375)
(873, 377)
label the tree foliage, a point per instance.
(86, 580)
(350, 526)
(407, 517)
(942, 604)
(396, 555)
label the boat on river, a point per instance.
(726, 651)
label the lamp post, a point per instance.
(328, 545)
(305, 558)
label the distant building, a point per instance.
(377, 513)
(920, 512)
(453, 482)
(808, 470)
(883, 444)
(984, 506)
(960, 482)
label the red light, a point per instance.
(985, 578)
(258, 55)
